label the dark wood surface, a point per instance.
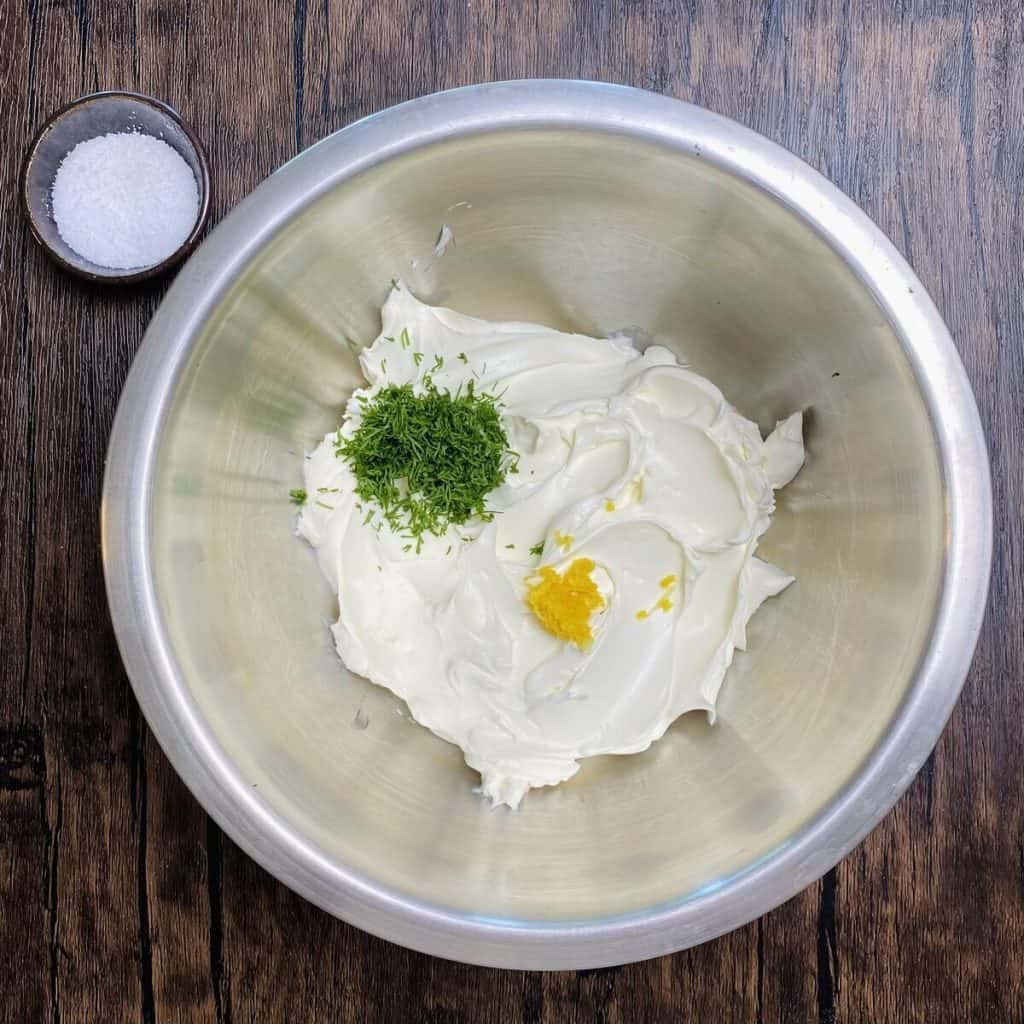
(119, 900)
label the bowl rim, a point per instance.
(176, 719)
(204, 185)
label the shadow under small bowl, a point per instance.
(86, 118)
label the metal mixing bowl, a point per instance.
(595, 208)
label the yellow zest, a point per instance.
(609, 506)
(664, 603)
(563, 540)
(563, 603)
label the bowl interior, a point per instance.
(596, 232)
(101, 114)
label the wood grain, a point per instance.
(119, 901)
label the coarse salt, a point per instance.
(124, 200)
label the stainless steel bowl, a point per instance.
(598, 208)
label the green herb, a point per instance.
(464, 357)
(538, 548)
(298, 496)
(383, 369)
(417, 358)
(508, 547)
(428, 460)
(330, 508)
(404, 340)
(438, 363)
(328, 490)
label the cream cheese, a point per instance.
(626, 459)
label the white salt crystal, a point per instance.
(124, 200)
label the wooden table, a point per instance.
(119, 900)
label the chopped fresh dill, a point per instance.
(328, 490)
(464, 357)
(388, 337)
(297, 496)
(438, 363)
(404, 338)
(417, 358)
(538, 548)
(449, 551)
(368, 517)
(383, 368)
(508, 547)
(428, 459)
(322, 504)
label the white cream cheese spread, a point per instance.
(605, 596)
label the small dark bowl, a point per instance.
(85, 118)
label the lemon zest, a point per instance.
(563, 540)
(609, 506)
(564, 602)
(664, 603)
